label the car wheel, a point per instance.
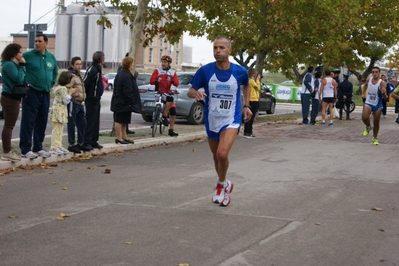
(196, 115)
(110, 87)
(272, 108)
(147, 118)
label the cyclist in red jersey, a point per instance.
(163, 78)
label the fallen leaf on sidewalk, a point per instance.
(317, 224)
(128, 243)
(64, 188)
(183, 264)
(54, 183)
(1, 184)
(12, 216)
(107, 171)
(193, 150)
(63, 215)
(377, 209)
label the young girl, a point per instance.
(59, 112)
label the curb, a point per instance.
(108, 148)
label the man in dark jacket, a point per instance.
(345, 90)
(94, 90)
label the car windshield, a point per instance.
(110, 75)
(144, 77)
(185, 79)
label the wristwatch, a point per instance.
(247, 106)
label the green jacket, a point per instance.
(12, 75)
(41, 70)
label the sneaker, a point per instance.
(227, 190)
(220, 190)
(64, 151)
(375, 141)
(86, 147)
(165, 121)
(29, 155)
(96, 146)
(172, 133)
(74, 148)
(247, 136)
(323, 123)
(218, 195)
(330, 124)
(43, 153)
(56, 151)
(384, 116)
(11, 156)
(367, 131)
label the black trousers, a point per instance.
(93, 122)
(248, 125)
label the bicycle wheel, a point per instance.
(155, 119)
(351, 107)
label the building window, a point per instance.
(177, 57)
(150, 56)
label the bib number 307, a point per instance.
(225, 104)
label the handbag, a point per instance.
(19, 91)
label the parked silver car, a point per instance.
(186, 107)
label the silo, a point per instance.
(74, 9)
(124, 40)
(63, 40)
(111, 40)
(79, 36)
(95, 38)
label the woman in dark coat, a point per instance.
(125, 100)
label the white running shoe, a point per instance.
(56, 151)
(43, 154)
(64, 151)
(220, 192)
(227, 190)
(29, 155)
(12, 156)
(218, 196)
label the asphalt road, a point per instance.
(304, 195)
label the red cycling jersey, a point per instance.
(164, 79)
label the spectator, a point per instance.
(59, 112)
(163, 78)
(94, 90)
(345, 91)
(125, 100)
(307, 89)
(254, 84)
(13, 73)
(221, 81)
(384, 101)
(41, 74)
(328, 94)
(315, 99)
(76, 110)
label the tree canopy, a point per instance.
(278, 35)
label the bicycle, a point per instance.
(157, 115)
(351, 107)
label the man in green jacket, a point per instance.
(41, 74)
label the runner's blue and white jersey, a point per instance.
(374, 95)
(223, 104)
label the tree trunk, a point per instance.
(137, 27)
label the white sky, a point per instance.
(15, 13)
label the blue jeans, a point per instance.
(315, 110)
(76, 118)
(35, 108)
(305, 102)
